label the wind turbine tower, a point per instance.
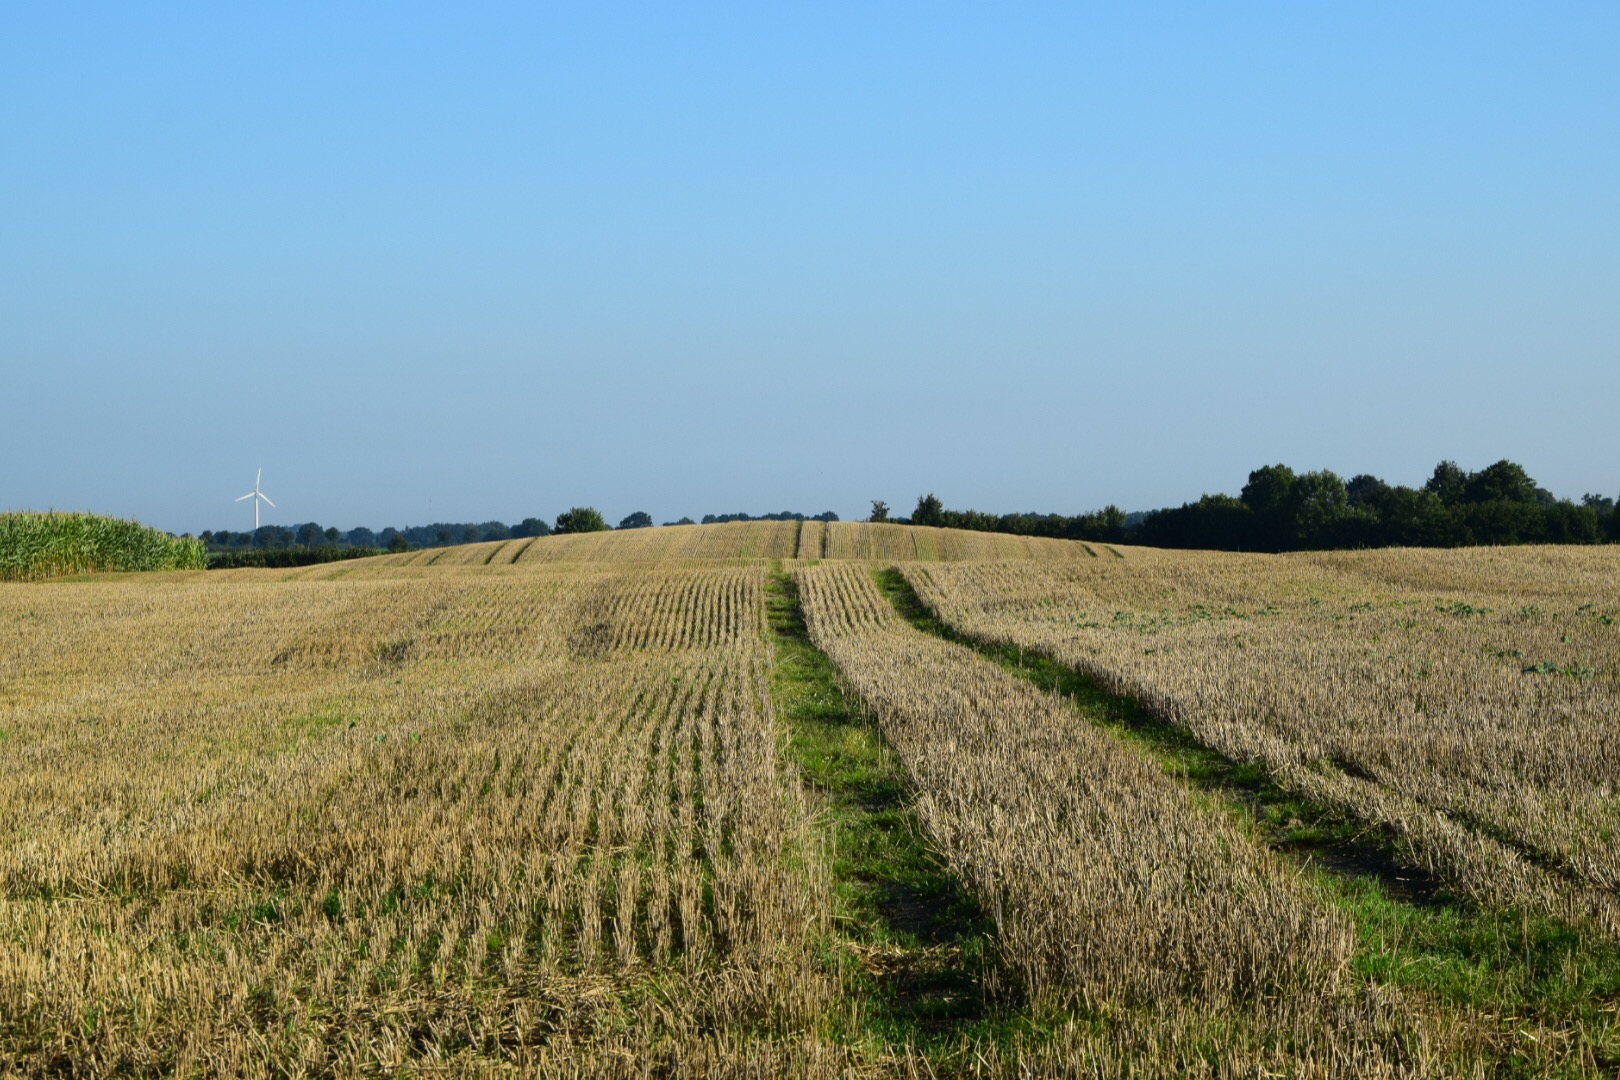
(256, 495)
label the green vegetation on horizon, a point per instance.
(35, 546)
(286, 558)
(1281, 510)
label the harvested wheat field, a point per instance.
(822, 800)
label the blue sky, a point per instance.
(489, 261)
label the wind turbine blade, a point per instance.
(266, 498)
(249, 495)
(257, 480)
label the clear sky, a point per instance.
(471, 261)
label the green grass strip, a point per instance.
(1518, 966)
(912, 942)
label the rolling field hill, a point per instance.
(823, 800)
(746, 540)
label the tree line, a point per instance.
(1279, 509)
(311, 536)
(1283, 510)
(1107, 524)
(784, 515)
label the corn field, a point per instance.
(532, 807)
(34, 546)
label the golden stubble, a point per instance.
(1107, 881)
(255, 825)
(1465, 698)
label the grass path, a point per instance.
(909, 940)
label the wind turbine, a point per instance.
(256, 495)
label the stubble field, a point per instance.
(824, 800)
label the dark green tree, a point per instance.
(1317, 504)
(1268, 494)
(1106, 525)
(880, 511)
(1268, 489)
(1568, 523)
(1412, 518)
(1219, 522)
(1503, 481)
(1366, 490)
(1448, 481)
(930, 511)
(273, 536)
(638, 520)
(397, 543)
(1502, 521)
(580, 519)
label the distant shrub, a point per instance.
(35, 546)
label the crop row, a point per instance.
(253, 826)
(1106, 881)
(1473, 709)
